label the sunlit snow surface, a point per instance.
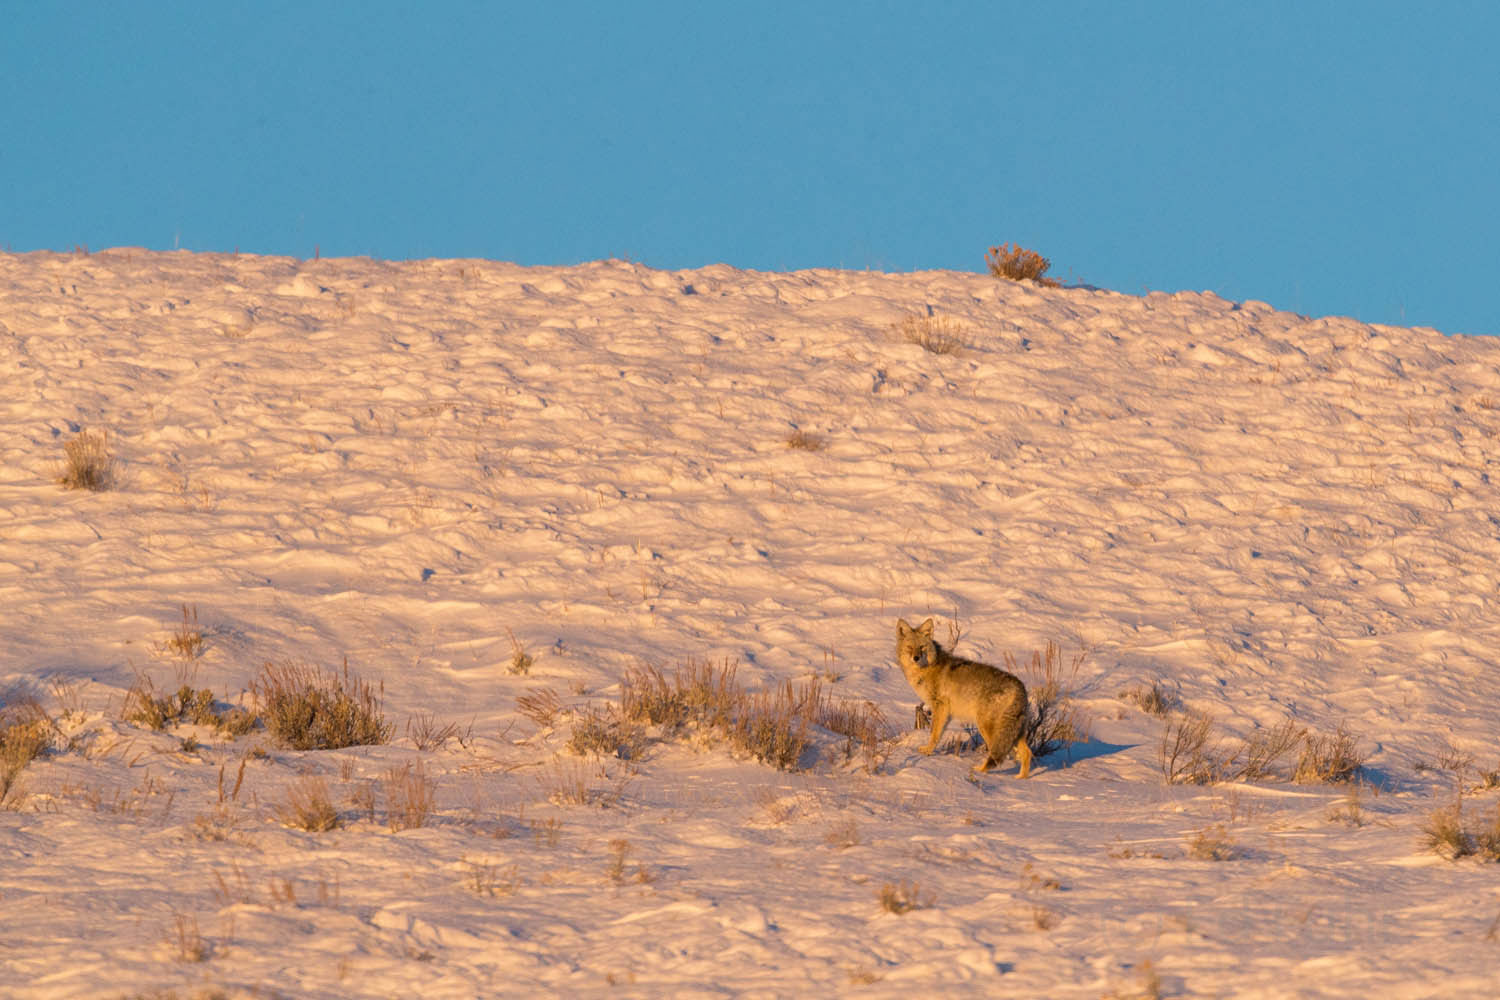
(403, 464)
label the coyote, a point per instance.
(965, 690)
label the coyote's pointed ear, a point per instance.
(926, 629)
(902, 628)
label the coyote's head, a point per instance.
(915, 650)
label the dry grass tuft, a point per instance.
(410, 796)
(1212, 843)
(863, 726)
(309, 807)
(842, 835)
(1051, 720)
(308, 709)
(1153, 699)
(1444, 833)
(1328, 758)
(484, 879)
(520, 660)
(605, 733)
(1448, 832)
(186, 641)
(1257, 758)
(1185, 753)
(935, 334)
(775, 726)
(426, 734)
(800, 439)
(903, 897)
(87, 463)
(566, 784)
(1016, 263)
(186, 940)
(187, 704)
(540, 706)
(25, 734)
(1190, 755)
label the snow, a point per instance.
(407, 464)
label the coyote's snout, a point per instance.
(955, 688)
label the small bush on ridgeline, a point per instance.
(87, 462)
(309, 709)
(1016, 263)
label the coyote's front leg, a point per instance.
(939, 723)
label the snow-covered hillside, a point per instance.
(426, 466)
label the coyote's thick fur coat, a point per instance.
(965, 690)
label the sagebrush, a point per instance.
(1016, 263)
(88, 463)
(305, 708)
(776, 726)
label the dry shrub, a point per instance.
(1351, 811)
(1328, 758)
(605, 732)
(936, 334)
(1212, 843)
(25, 734)
(565, 784)
(236, 722)
(484, 879)
(772, 726)
(775, 726)
(1257, 757)
(410, 796)
(1152, 699)
(842, 835)
(87, 462)
(426, 734)
(187, 941)
(1051, 719)
(863, 726)
(903, 897)
(1444, 833)
(1016, 263)
(1190, 755)
(539, 706)
(308, 806)
(185, 641)
(800, 439)
(309, 709)
(520, 660)
(1487, 839)
(700, 693)
(1186, 755)
(187, 704)
(1448, 832)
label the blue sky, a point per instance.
(1330, 158)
